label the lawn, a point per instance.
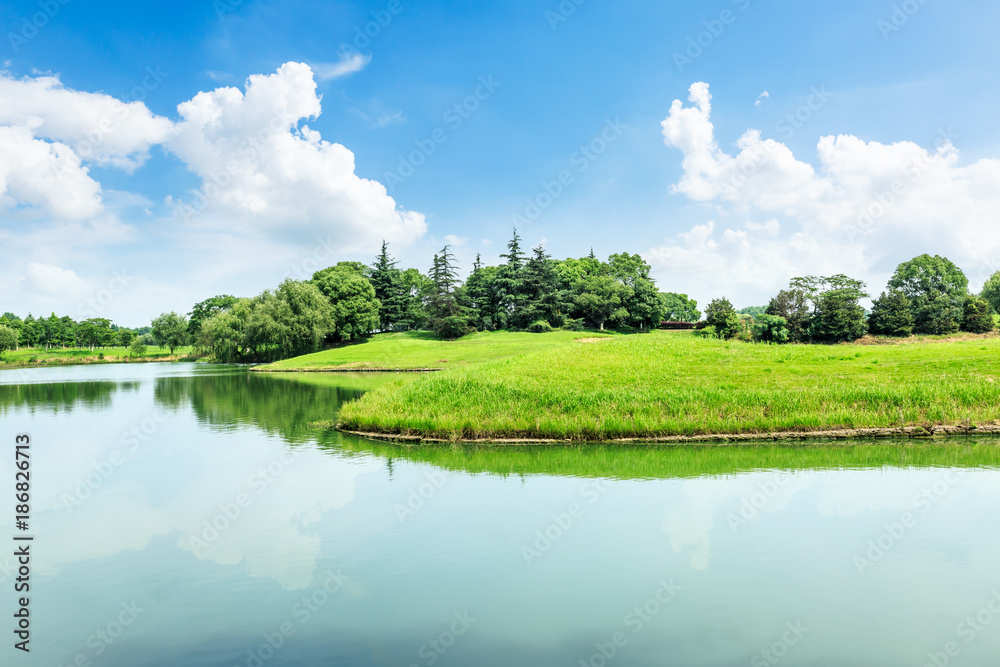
(421, 351)
(668, 384)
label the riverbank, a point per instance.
(666, 386)
(40, 357)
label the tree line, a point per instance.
(526, 291)
(927, 295)
(59, 332)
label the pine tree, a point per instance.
(389, 290)
(508, 287)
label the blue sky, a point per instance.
(561, 75)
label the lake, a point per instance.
(186, 514)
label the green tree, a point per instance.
(508, 291)
(170, 330)
(355, 308)
(387, 280)
(205, 309)
(721, 315)
(793, 306)
(892, 315)
(8, 338)
(545, 298)
(977, 316)
(838, 316)
(770, 328)
(937, 290)
(478, 291)
(599, 299)
(991, 291)
(137, 348)
(679, 308)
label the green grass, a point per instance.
(56, 356)
(420, 350)
(668, 384)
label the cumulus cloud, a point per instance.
(264, 172)
(865, 207)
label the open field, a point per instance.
(676, 384)
(27, 356)
(422, 351)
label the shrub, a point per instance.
(721, 315)
(33, 359)
(100, 356)
(137, 348)
(977, 316)
(707, 332)
(677, 325)
(771, 329)
(573, 324)
(451, 328)
(541, 326)
(892, 315)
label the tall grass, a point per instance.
(669, 384)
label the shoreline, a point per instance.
(833, 435)
(264, 369)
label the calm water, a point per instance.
(186, 515)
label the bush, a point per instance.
(573, 324)
(771, 329)
(137, 348)
(100, 356)
(541, 326)
(33, 359)
(677, 325)
(707, 332)
(978, 317)
(892, 315)
(451, 328)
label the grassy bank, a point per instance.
(664, 384)
(30, 357)
(418, 350)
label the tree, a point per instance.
(355, 310)
(478, 291)
(679, 308)
(937, 290)
(170, 330)
(442, 298)
(508, 288)
(839, 317)
(387, 280)
(991, 291)
(721, 315)
(977, 316)
(793, 306)
(545, 298)
(641, 298)
(205, 309)
(892, 315)
(8, 338)
(770, 328)
(137, 348)
(599, 299)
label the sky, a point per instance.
(153, 155)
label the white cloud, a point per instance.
(760, 98)
(264, 174)
(48, 279)
(867, 207)
(349, 63)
